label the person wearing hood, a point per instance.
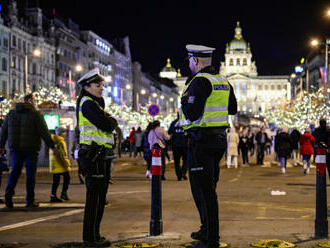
(307, 142)
(24, 127)
(59, 165)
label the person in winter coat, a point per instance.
(322, 137)
(307, 142)
(261, 139)
(24, 127)
(295, 136)
(244, 147)
(59, 165)
(138, 141)
(147, 156)
(284, 148)
(157, 138)
(132, 142)
(232, 148)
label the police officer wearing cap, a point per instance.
(96, 142)
(207, 100)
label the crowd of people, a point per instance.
(285, 144)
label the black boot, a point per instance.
(53, 198)
(64, 196)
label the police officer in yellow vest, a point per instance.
(96, 142)
(207, 100)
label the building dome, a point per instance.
(168, 71)
(238, 43)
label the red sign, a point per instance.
(153, 109)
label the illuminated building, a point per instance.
(254, 93)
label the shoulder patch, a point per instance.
(191, 99)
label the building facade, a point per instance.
(4, 58)
(71, 56)
(32, 51)
(254, 93)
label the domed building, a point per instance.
(254, 93)
(168, 71)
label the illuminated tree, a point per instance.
(301, 112)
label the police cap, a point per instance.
(92, 76)
(199, 51)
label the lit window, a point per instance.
(238, 62)
(115, 91)
(244, 61)
(231, 62)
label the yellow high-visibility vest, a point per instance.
(89, 132)
(215, 112)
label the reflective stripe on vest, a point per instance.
(89, 132)
(215, 112)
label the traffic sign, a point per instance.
(153, 109)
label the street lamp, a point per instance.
(328, 12)
(36, 53)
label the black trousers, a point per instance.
(97, 177)
(56, 182)
(204, 173)
(180, 152)
(260, 153)
(245, 156)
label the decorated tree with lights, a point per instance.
(138, 118)
(53, 94)
(301, 112)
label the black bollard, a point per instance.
(321, 215)
(156, 223)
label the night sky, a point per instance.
(279, 31)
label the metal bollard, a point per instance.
(156, 223)
(321, 217)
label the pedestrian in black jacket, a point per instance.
(284, 148)
(322, 137)
(244, 147)
(180, 148)
(261, 138)
(24, 127)
(295, 136)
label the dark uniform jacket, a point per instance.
(193, 103)
(178, 138)
(97, 116)
(24, 127)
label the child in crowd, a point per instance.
(59, 165)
